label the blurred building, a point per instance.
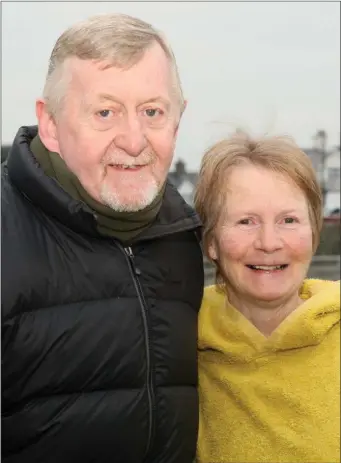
(329, 170)
(184, 181)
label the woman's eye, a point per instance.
(289, 220)
(245, 222)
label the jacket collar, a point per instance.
(28, 177)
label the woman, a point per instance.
(269, 338)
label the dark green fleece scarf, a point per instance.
(124, 226)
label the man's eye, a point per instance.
(105, 113)
(152, 112)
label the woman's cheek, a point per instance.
(234, 244)
(300, 243)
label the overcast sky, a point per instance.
(268, 67)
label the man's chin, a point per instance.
(132, 203)
(135, 206)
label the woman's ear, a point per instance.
(212, 250)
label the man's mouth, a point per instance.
(268, 268)
(126, 166)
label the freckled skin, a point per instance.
(265, 222)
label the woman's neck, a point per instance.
(265, 316)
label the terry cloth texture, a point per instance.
(274, 399)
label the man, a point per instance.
(102, 272)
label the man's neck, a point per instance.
(266, 317)
(124, 226)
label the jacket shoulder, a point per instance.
(14, 204)
(19, 250)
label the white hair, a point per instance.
(114, 199)
(120, 39)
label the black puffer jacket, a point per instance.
(98, 341)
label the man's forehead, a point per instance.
(114, 88)
(153, 56)
(100, 71)
(78, 65)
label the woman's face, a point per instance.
(264, 239)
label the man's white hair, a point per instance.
(119, 39)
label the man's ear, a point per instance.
(46, 127)
(184, 106)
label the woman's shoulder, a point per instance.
(209, 315)
(213, 296)
(324, 290)
(213, 301)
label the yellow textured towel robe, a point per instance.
(274, 399)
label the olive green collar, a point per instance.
(124, 226)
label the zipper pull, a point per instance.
(129, 252)
(131, 256)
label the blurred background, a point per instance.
(265, 67)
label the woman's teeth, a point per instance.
(267, 267)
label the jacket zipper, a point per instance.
(144, 310)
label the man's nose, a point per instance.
(131, 137)
(269, 238)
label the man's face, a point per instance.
(117, 128)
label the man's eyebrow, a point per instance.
(157, 99)
(107, 96)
